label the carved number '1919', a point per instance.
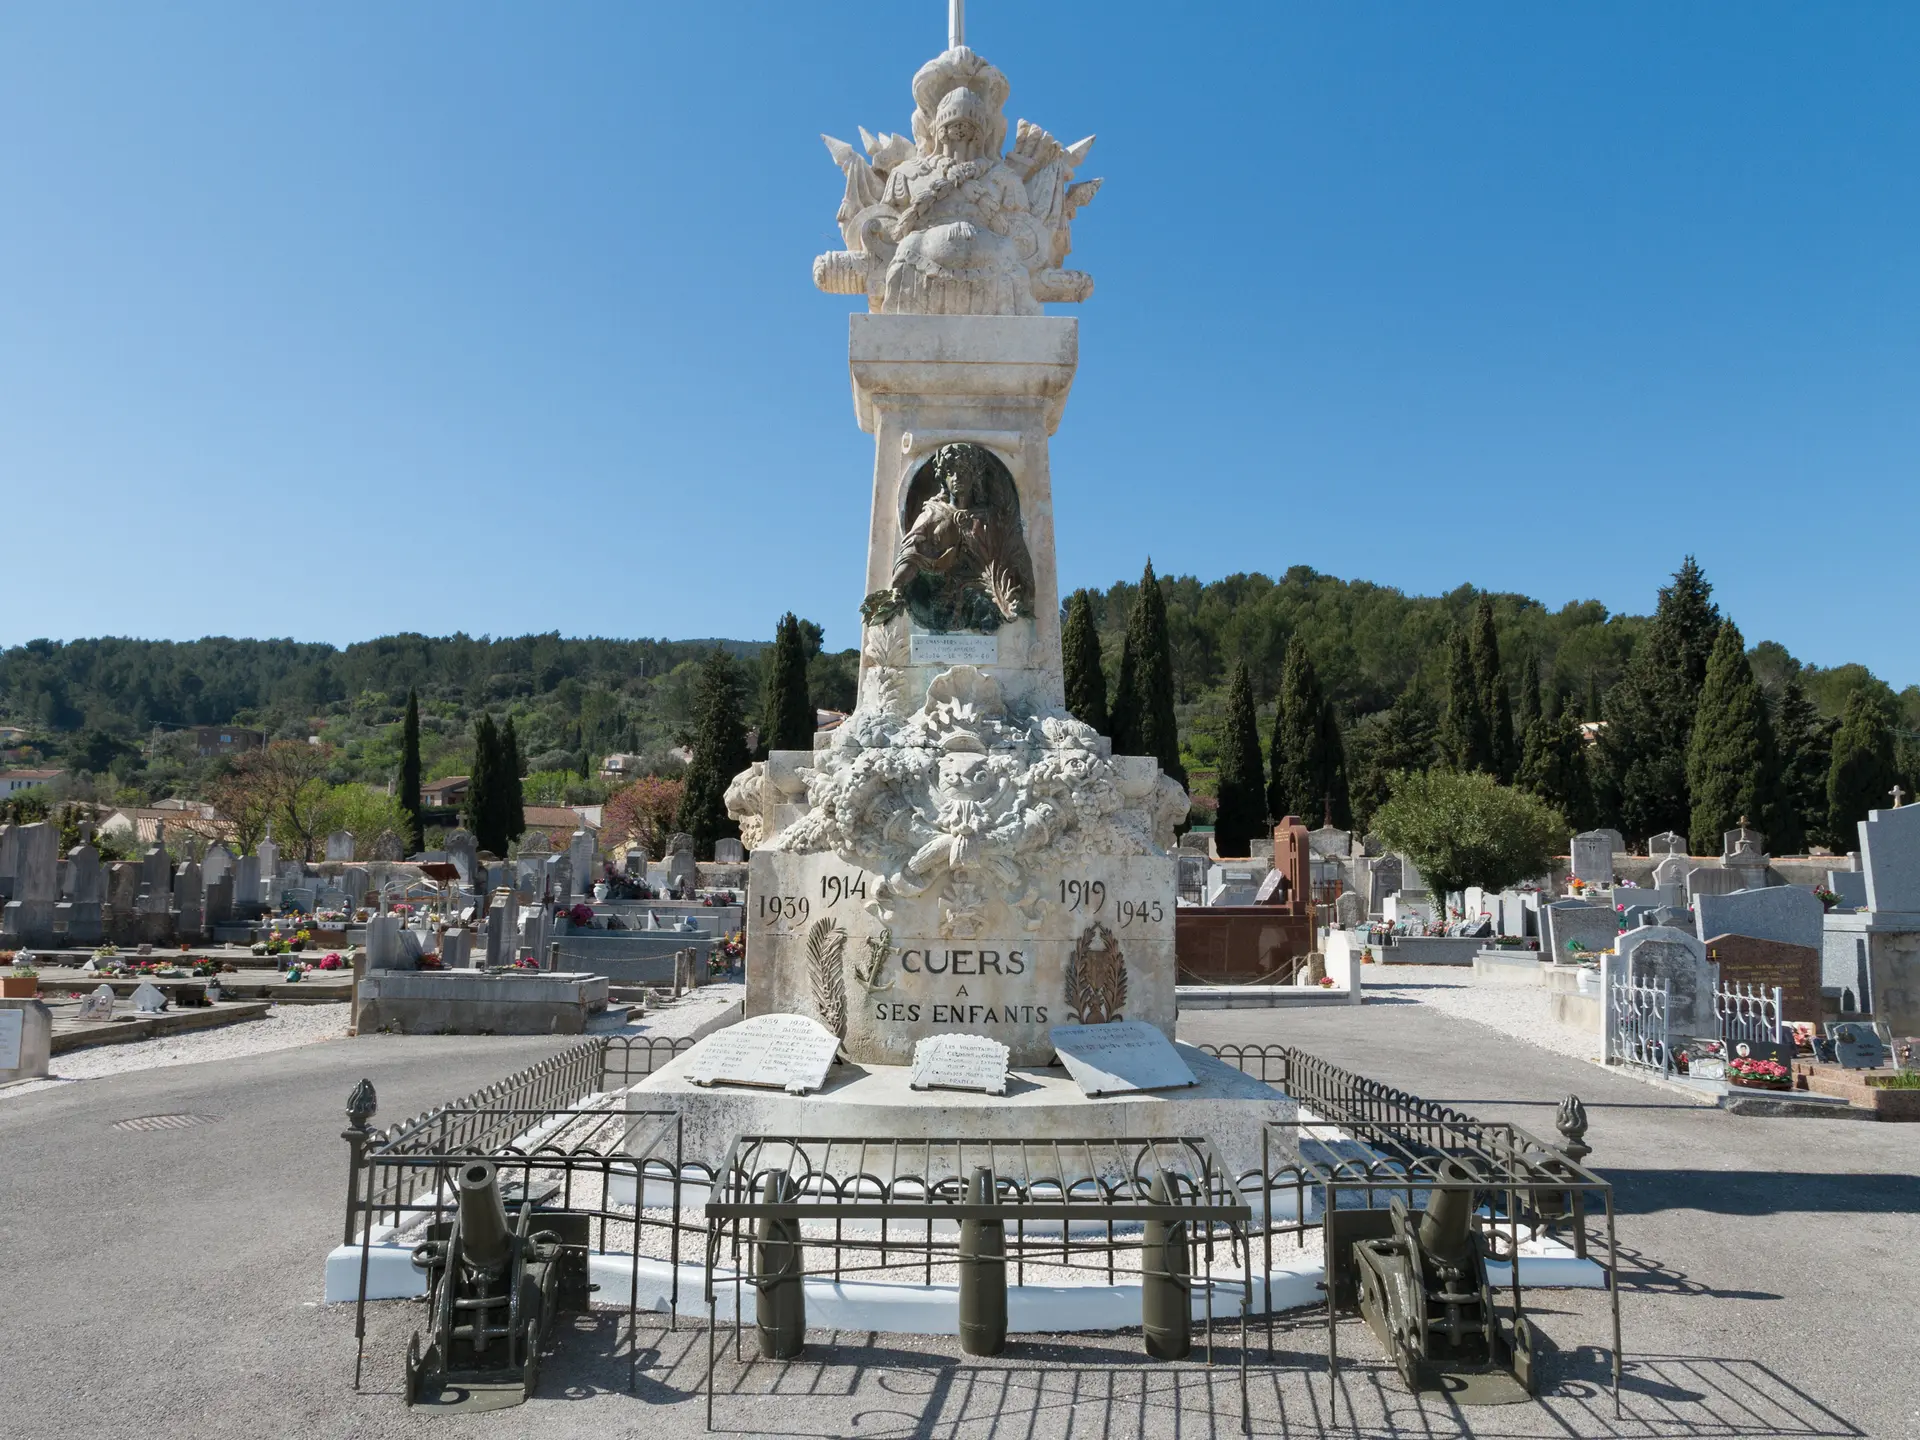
(783, 907)
(1089, 895)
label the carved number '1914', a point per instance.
(835, 888)
(1143, 911)
(1088, 895)
(783, 907)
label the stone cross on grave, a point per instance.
(1898, 795)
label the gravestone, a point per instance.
(1786, 913)
(463, 853)
(1890, 859)
(1711, 880)
(1795, 969)
(388, 846)
(728, 851)
(775, 1052)
(1593, 857)
(84, 909)
(580, 867)
(536, 842)
(1349, 910)
(1681, 960)
(1849, 888)
(1120, 1057)
(28, 919)
(683, 872)
(247, 903)
(960, 1062)
(1383, 879)
(267, 854)
(340, 845)
(26, 1040)
(9, 859)
(1745, 860)
(123, 892)
(1670, 872)
(637, 862)
(219, 902)
(149, 999)
(385, 949)
(1780, 1052)
(1566, 921)
(188, 901)
(98, 1006)
(1668, 842)
(456, 948)
(355, 880)
(1856, 1045)
(217, 862)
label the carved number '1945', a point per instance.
(783, 907)
(1088, 895)
(1143, 911)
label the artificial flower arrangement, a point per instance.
(330, 961)
(1759, 1074)
(1825, 896)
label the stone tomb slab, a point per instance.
(1120, 1057)
(770, 1052)
(960, 1062)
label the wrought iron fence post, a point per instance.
(361, 1104)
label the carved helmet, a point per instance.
(962, 105)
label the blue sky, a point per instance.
(333, 321)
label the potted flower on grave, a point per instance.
(1758, 1074)
(330, 961)
(23, 983)
(1825, 896)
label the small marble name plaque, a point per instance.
(13, 1025)
(1122, 1056)
(772, 1052)
(1857, 1046)
(960, 1062)
(927, 649)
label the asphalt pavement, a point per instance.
(158, 1283)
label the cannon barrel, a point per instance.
(485, 1241)
(1445, 1227)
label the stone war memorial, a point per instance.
(962, 855)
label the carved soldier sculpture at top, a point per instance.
(943, 224)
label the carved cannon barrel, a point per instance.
(983, 1274)
(485, 1241)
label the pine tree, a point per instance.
(1147, 683)
(1080, 657)
(1554, 766)
(511, 798)
(482, 808)
(1399, 741)
(1805, 741)
(1306, 762)
(1862, 773)
(786, 723)
(1731, 764)
(1649, 712)
(719, 754)
(1490, 685)
(1243, 786)
(1464, 736)
(410, 774)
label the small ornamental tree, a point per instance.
(786, 722)
(1080, 658)
(1242, 812)
(1466, 828)
(643, 811)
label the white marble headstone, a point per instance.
(960, 1062)
(1122, 1056)
(149, 999)
(775, 1052)
(13, 1025)
(98, 1005)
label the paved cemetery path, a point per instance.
(165, 1283)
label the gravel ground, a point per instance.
(281, 1027)
(1520, 1011)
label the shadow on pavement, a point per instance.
(1769, 1192)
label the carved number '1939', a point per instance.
(783, 907)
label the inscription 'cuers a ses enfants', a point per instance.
(812, 923)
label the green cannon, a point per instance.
(1424, 1292)
(493, 1288)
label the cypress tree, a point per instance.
(1731, 764)
(482, 810)
(1243, 785)
(786, 722)
(1080, 658)
(1805, 741)
(1649, 713)
(719, 754)
(1401, 740)
(1527, 715)
(1862, 773)
(1555, 765)
(1126, 714)
(1490, 686)
(1306, 762)
(410, 774)
(1146, 697)
(511, 798)
(1464, 736)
